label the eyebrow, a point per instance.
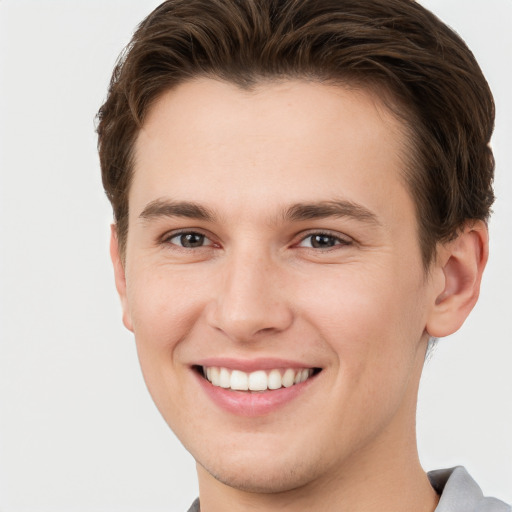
(324, 209)
(167, 208)
(298, 212)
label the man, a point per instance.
(300, 191)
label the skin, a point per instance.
(362, 310)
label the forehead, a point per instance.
(290, 141)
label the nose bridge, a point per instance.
(251, 299)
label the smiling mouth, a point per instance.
(259, 380)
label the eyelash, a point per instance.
(167, 239)
(335, 239)
(338, 240)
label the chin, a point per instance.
(277, 480)
(267, 474)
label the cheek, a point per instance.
(372, 320)
(164, 306)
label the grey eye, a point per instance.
(189, 240)
(323, 241)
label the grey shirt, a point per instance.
(458, 491)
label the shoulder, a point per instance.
(460, 493)
(195, 506)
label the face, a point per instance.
(274, 281)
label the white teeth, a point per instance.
(239, 380)
(274, 379)
(213, 375)
(288, 378)
(258, 380)
(224, 378)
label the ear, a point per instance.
(460, 264)
(120, 277)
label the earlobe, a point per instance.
(461, 263)
(120, 277)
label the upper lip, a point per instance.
(251, 365)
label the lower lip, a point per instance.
(246, 403)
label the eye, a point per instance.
(322, 241)
(188, 240)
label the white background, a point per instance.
(78, 431)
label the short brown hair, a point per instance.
(395, 47)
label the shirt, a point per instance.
(458, 493)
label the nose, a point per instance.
(251, 300)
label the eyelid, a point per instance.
(169, 235)
(343, 239)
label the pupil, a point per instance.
(322, 241)
(192, 240)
